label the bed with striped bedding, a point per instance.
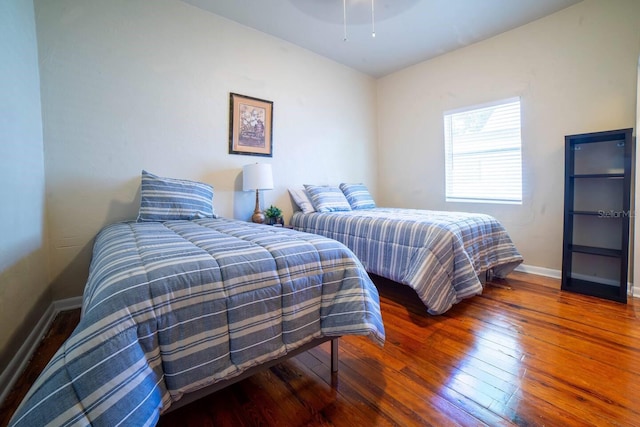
(439, 254)
(172, 307)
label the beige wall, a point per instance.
(23, 261)
(575, 72)
(132, 85)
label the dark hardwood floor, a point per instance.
(523, 353)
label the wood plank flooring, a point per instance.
(523, 353)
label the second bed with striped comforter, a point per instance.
(439, 254)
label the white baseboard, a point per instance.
(67, 304)
(540, 271)
(20, 361)
(557, 274)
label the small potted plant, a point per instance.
(274, 215)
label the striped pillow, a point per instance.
(358, 196)
(166, 199)
(327, 199)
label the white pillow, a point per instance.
(301, 198)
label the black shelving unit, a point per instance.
(595, 255)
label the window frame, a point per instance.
(451, 158)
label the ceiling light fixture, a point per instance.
(373, 21)
(344, 19)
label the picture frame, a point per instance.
(250, 126)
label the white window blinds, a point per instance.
(483, 153)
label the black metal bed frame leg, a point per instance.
(334, 355)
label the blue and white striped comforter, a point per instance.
(439, 254)
(172, 307)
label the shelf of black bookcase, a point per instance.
(591, 213)
(599, 175)
(610, 214)
(587, 287)
(592, 250)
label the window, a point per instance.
(483, 153)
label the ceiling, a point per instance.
(406, 31)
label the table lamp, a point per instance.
(257, 176)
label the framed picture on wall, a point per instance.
(250, 126)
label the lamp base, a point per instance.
(258, 217)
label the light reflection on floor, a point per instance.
(492, 369)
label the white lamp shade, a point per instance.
(257, 176)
